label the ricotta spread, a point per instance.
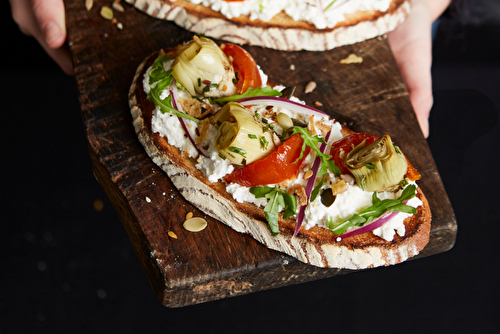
(322, 13)
(347, 203)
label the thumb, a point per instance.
(51, 20)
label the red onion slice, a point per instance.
(284, 103)
(181, 120)
(376, 223)
(310, 186)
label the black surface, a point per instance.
(67, 268)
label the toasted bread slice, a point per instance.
(316, 246)
(281, 32)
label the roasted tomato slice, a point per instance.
(245, 67)
(277, 167)
(412, 174)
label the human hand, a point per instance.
(45, 21)
(411, 45)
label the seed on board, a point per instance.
(172, 234)
(195, 224)
(189, 215)
(107, 13)
(292, 67)
(119, 25)
(318, 104)
(352, 59)
(89, 4)
(118, 7)
(310, 87)
(148, 199)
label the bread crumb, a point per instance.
(352, 59)
(299, 191)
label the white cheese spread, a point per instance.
(169, 126)
(213, 166)
(317, 12)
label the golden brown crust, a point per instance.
(317, 246)
(281, 32)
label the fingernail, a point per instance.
(52, 34)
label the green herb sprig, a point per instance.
(257, 92)
(277, 198)
(312, 142)
(163, 79)
(329, 5)
(378, 208)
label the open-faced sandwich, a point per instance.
(315, 25)
(261, 161)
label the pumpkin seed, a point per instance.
(107, 13)
(284, 120)
(327, 197)
(195, 224)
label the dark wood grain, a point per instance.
(218, 262)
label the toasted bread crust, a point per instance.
(281, 32)
(316, 246)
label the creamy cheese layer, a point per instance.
(318, 12)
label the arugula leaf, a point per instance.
(378, 208)
(408, 193)
(260, 192)
(277, 198)
(159, 80)
(290, 205)
(316, 189)
(312, 142)
(264, 91)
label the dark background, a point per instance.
(67, 266)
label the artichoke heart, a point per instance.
(240, 138)
(202, 68)
(377, 167)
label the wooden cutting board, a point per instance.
(218, 262)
